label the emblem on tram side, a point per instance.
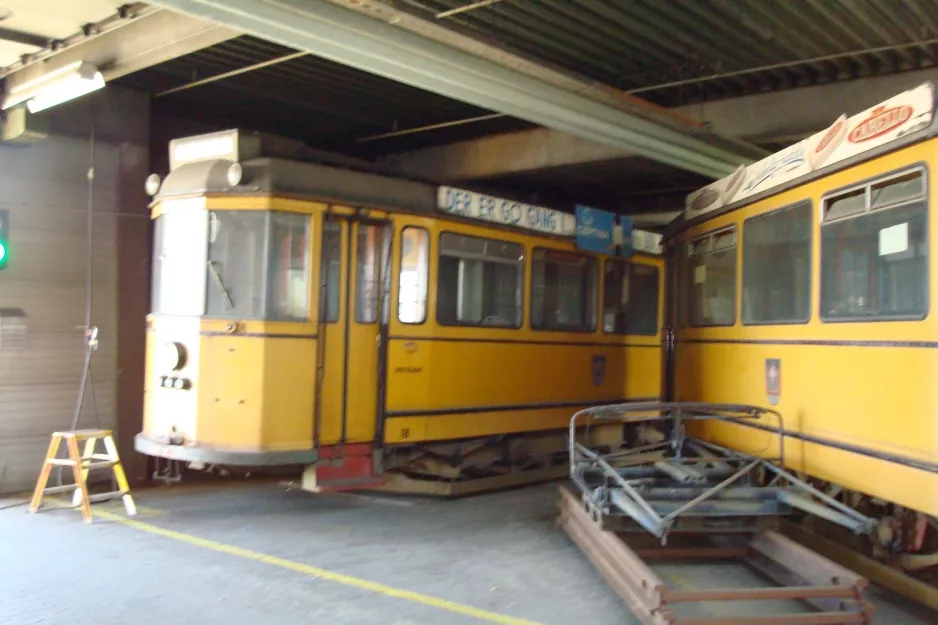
(599, 370)
(773, 379)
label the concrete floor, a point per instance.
(259, 553)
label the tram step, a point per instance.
(353, 483)
(353, 473)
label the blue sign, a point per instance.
(601, 232)
(595, 230)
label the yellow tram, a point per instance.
(376, 329)
(805, 281)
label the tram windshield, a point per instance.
(232, 264)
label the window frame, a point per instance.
(774, 211)
(323, 286)
(469, 324)
(867, 184)
(400, 263)
(734, 228)
(631, 265)
(597, 281)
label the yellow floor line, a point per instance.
(312, 571)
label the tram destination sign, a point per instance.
(595, 230)
(847, 137)
(506, 212)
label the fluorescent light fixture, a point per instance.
(61, 85)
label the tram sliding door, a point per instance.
(351, 315)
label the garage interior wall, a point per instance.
(44, 186)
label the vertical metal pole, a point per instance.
(89, 258)
(89, 276)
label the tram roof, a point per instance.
(279, 176)
(906, 118)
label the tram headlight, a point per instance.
(235, 172)
(173, 356)
(152, 185)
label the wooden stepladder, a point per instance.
(82, 463)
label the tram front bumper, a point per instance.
(213, 455)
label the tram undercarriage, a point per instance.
(462, 468)
(442, 469)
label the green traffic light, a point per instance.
(3, 253)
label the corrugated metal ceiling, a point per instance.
(309, 98)
(679, 51)
(672, 52)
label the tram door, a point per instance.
(669, 299)
(352, 311)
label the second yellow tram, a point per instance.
(805, 282)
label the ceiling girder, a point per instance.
(18, 36)
(416, 52)
(782, 117)
(140, 40)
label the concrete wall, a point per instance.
(45, 188)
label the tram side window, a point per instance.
(777, 266)
(615, 297)
(875, 256)
(236, 246)
(412, 291)
(288, 274)
(712, 277)
(331, 269)
(630, 298)
(563, 291)
(366, 275)
(479, 282)
(643, 300)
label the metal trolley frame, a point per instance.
(685, 483)
(624, 504)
